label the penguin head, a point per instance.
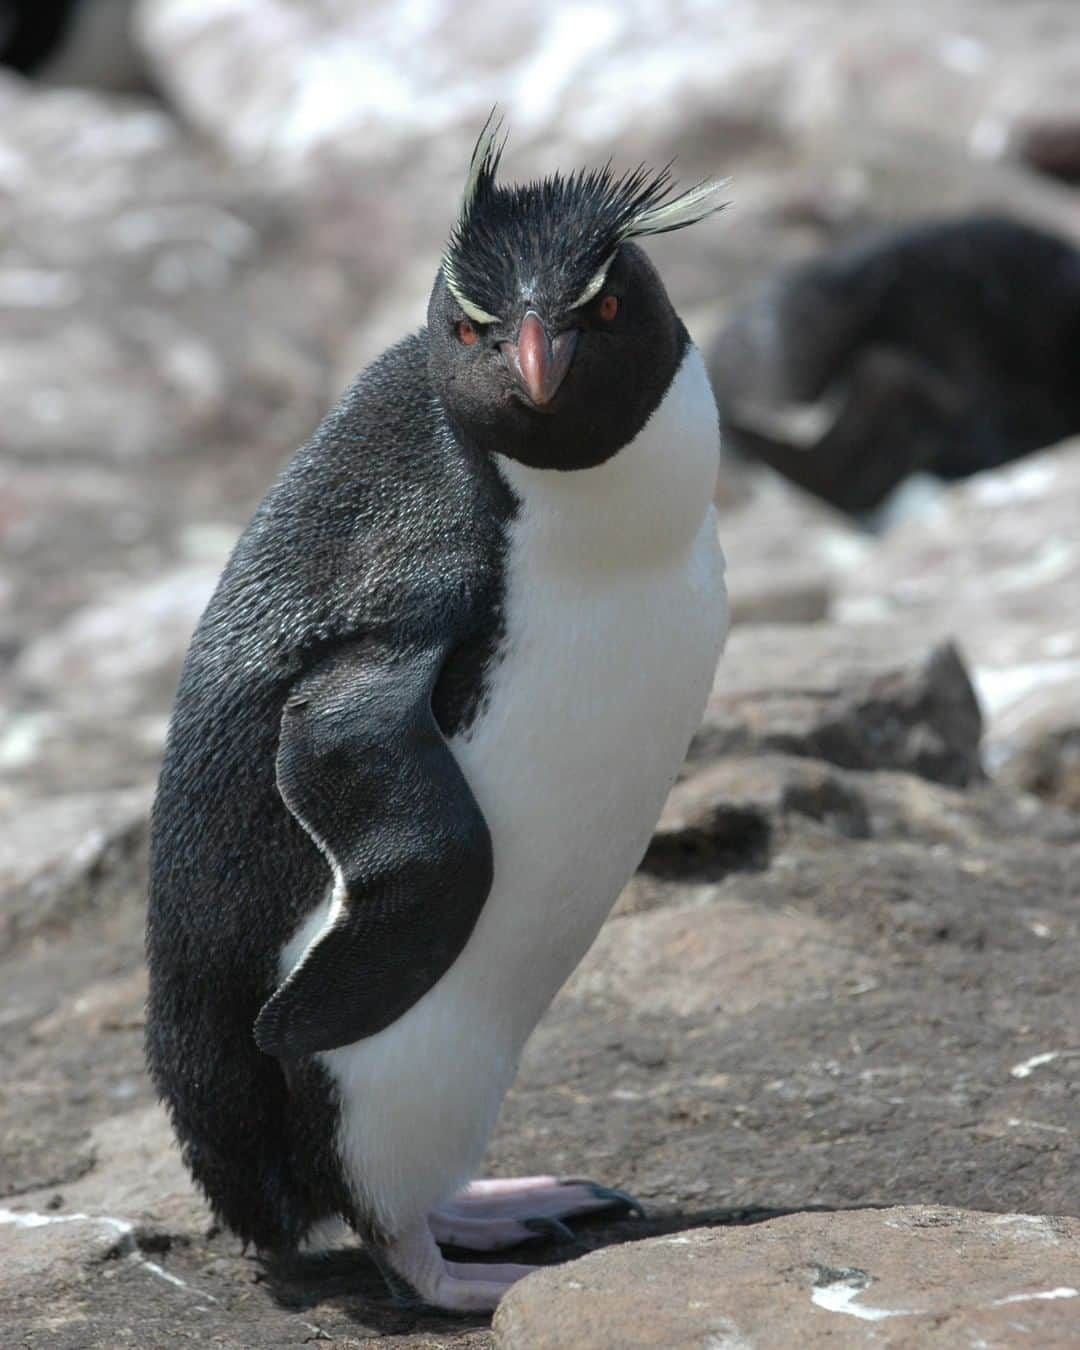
(551, 337)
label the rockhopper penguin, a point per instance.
(943, 347)
(425, 729)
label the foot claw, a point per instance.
(616, 1197)
(547, 1227)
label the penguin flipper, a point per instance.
(364, 768)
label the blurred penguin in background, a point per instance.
(941, 349)
(73, 42)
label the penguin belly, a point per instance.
(613, 620)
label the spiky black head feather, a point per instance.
(553, 240)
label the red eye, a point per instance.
(466, 333)
(609, 307)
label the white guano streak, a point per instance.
(1062, 1291)
(839, 1296)
(1024, 1069)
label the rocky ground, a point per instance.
(829, 1036)
(829, 989)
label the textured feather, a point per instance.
(553, 240)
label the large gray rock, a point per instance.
(103, 1241)
(922, 1275)
(786, 1035)
(137, 1180)
(864, 697)
(742, 814)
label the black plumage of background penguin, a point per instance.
(73, 42)
(944, 348)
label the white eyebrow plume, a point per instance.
(474, 311)
(594, 286)
(687, 208)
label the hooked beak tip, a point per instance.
(538, 363)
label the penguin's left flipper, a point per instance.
(364, 768)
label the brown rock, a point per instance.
(54, 1250)
(732, 814)
(727, 957)
(137, 1176)
(102, 1233)
(137, 1193)
(794, 1034)
(768, 788)
(922, 1275)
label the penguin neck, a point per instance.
(645, 503)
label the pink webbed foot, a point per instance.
(492, 1214)
(417, 1272)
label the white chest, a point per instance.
(614, 617)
